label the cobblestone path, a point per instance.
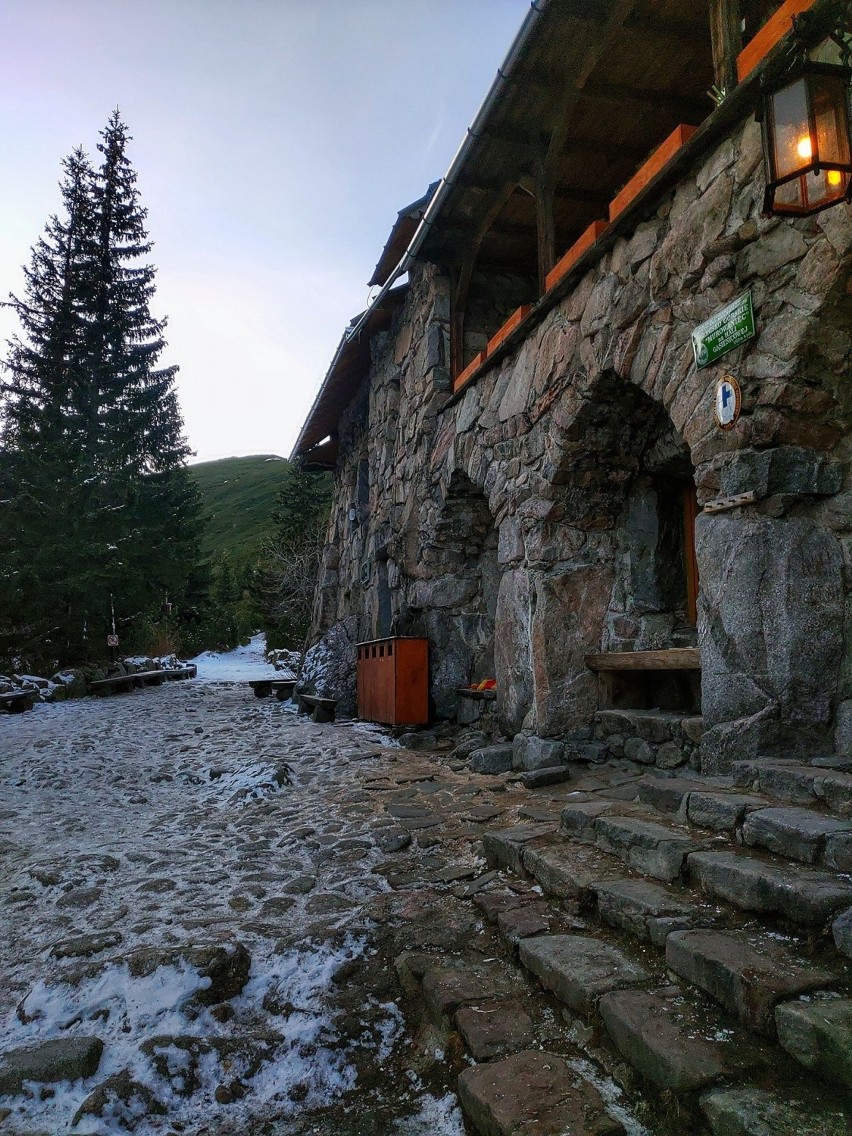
(215, 889)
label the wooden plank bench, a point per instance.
(320, 709)
(18, 701)
(121, 683)
(669, 679)
(282, 688)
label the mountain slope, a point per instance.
(239, 496)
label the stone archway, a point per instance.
(459, 598)
(611, 566)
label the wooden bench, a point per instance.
(320, 709)
(282, 687)
(17, 701)
(643, 680)
(120, 683)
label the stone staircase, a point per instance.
(694, 936)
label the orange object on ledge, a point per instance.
(772, 32)
(570, 258)
(508, 327)
(469, 371)
(658, 160)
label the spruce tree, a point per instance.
(96, 473)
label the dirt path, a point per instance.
(200, 880)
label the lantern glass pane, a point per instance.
(791, 134)
(816, 188)
(832, 119)
(789, 196)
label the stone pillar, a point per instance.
(770, 632)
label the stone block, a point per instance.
(745, 974)
(569, 870)
(838, 852)
(803, 895)
(493, 1029)
(445, 988)
(650, 848)
(530, 752)
(798, 834)
(818, 1034)
(667, 794)
(538, 778)
(533, 1091)
(62, 1059)
(631, 904)
(492, 759)
(637, 749)
(751, 1111)
(770, 652)
(677, 1043)
(722, 812)
(522, 922)
(504, 847)
(579, 969)
(841, 930)
(578, 820)
(670, 756)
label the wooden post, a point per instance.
(690, 512)
(545, 228)
(726, 38)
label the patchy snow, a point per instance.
(180, 816)
(240, 665)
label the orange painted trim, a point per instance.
(660, 158)
(570, 258)
(774, 30)
(507, 328)
(469, 371)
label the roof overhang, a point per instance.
(316, 445)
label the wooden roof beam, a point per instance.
(685, 107)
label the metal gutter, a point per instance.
(474, 131)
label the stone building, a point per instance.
(530, 467)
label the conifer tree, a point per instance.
(95, 455)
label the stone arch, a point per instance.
(611, 561)
(458, 598)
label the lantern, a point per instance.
(806, 139)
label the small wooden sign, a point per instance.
(727, 403)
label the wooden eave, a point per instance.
(316, 445)
(403, 230)
(600, 85)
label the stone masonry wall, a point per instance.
(572, 442)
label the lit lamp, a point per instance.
(806, 139)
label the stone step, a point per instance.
(653, 849)
(578, 969)
(504, 847)
(567, 869)
(753, 1111)
(796, 783)
(649, 911)
(678, 1040)
(722, 811)
(534, 1092)
(447, 987)
(800, 834)
(804, 896)
(746, 974)
(494, 1029)
(818, 1033)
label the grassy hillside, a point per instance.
(239, 496)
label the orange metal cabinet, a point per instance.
(393, 681)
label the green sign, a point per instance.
(730, 327)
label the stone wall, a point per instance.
(575, 447)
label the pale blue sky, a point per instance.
(274, 141)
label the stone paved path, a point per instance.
(211, 886)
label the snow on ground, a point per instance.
(240, 665)
(180, 817)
